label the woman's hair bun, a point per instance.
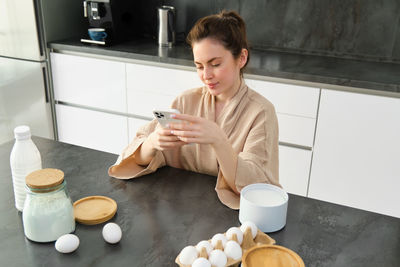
(231, 14)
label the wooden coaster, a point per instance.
(271, 256)
(94, 209)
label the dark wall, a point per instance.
(362, 29)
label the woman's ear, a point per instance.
(243, 57)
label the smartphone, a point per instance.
(164, 116)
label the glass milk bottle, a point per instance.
(25, 158)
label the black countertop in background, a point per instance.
(163, 212)
(376, 76)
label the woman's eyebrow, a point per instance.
(208, 61)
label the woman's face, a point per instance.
(217, 68)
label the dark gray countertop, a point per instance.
(162, 213)
(384, 77)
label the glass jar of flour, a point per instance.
(48, 212)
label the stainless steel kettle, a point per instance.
(166, 25)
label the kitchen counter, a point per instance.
(363, 76)
(163, 212)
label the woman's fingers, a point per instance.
(167, 138)
(166, 145)
(164, 140)
(188, 140)
(194, 129)
(164, 132)
(185, 117)
(182, 126)
(179, 133)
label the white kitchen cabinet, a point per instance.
(296, 108)
(133, 125)
(294, 169)
(357, 152)
(151, 87)
(288, 99)
(89, 82)
(92, 129)
(296, 130)
(143, 103)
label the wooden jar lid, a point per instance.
(44, 178)
(94, 209)
(271, 256)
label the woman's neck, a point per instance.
(223, 98)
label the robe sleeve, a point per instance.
(257, 163)
(126, 167)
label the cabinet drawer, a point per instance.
(160, 80)
(294, 169)
(89, 82)
(143, 103)
(296, 108)
(288, 99)
(92, 129)
(296, 130)
(151, 87)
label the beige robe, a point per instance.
(248, 120)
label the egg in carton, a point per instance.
(252, 237)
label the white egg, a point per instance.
(67, 243)
(112, 233)
(252, 226)
(233, 250)
(204, 244)
(237, 231)
(216, 237)
(201, 262)
(188, 255)
(218, 258)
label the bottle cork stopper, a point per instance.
(44, 178)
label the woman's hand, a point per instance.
(196, 130)
(162, 139)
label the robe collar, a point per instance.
(231, 111)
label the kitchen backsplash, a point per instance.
(361, 29)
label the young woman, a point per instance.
(227, 129)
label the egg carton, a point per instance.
(247, 243)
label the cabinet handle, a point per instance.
(46, 93)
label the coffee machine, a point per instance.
(116, 17)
